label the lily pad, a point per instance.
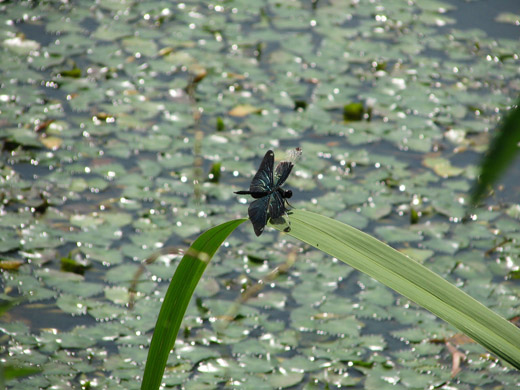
(72, 304)
(442, 167)
(395, 234)
(20, 45)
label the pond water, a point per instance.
(126, 127)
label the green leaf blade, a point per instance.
(410, 279)
(180, 291)
(501, 153)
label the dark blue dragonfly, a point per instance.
(266, 189)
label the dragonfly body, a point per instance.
(266, 189)
(283, 193)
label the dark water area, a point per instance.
(481, 14)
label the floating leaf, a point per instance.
(420, 255)
(20, 45)
(214, 174)
(51, 142)
(353, 111)
(508, 17)
(376, 211)
(75, 263)
(442, 166)
(86, 221)
(395, 234)
(112, 31)
(13, 371)
(10, 264)
(74, 73)
(514, 211)
(243, 110)
(72, 304)
(285, 379)
(136, 45)
(117, 294)
(221, 126)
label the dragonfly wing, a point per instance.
(263, 180)
(258, 214)
(276, 205)
(283, 170)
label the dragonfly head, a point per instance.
(286, 193)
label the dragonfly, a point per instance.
(266, 188)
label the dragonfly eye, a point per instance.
(287, 194)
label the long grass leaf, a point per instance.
(501, 153)
(179, 293)
(411, 279)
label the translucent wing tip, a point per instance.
(294, 154)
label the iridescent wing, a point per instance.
(263, 180)
(258, 214)
(282, 172)
(276, 205)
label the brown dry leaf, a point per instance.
(243, 110)
(10, 264)
(103, 116)
(516, 320)
(312, 80)
(198, 72)
(231, 75)
(460, 149)
(51, 142)
(43, 125)
(460, 338)
(130, 92)
(165, 51)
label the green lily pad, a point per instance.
(86, 221)
(443, 245)
(508, 17)
(395, 234)
(20, 45)
(420, 255)
(72, 304)
(376, 211)
(442, 167)
(136, 45)
(117, 294)
(285, 379)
